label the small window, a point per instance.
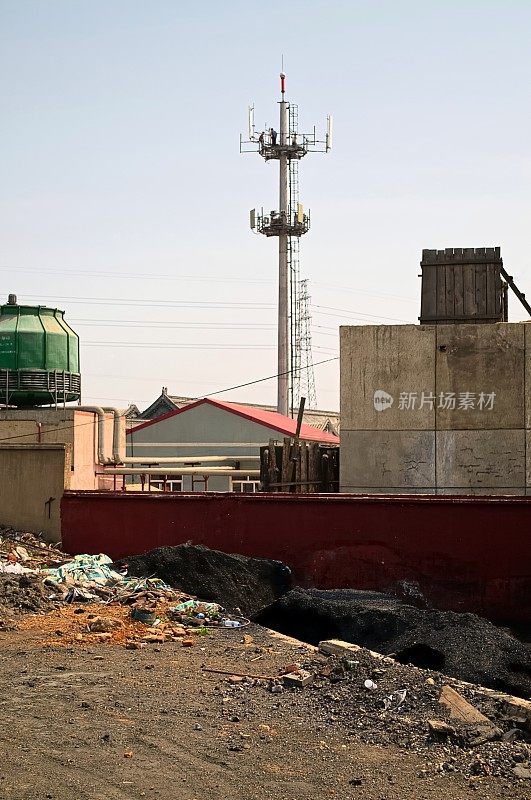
(245, 486)
(173, 485)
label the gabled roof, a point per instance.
(271, 419)
(327, 421)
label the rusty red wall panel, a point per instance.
(466, 554)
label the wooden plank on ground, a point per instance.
(460, 708)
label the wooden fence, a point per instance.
(303, 467)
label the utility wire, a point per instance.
(170, 346)
(192, 278)
(136, 275)
(210, 394)
(270, 377)
(120, 301)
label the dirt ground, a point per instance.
(89, 721)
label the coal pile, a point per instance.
(461, 645)
(233, 581)
(24, 594)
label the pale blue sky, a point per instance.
(121, 178)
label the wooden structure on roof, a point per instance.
(463, 285)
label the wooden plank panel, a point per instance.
(481, 290)
(494, 293)
(428, 305)
(498, 293)
(272, 471)
(490, 297)
(450, 270)
(458, 292)
(304, 468)
(469, 290)
(441, 293)
(313, 467)
(286, 465)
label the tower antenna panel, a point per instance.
(329, 132)
(250, 115)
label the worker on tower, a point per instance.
(261, 141)
(273, 134)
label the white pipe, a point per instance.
(236, 473)
(101, 431)
(185, 459)
(116, 431)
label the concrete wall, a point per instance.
(42, 452)
(79, 429)
(436, 409)
(32, 481)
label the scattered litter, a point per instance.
(299, 678)
(22, 553)
(395, 700)
(198, 606)
(14, 568)
(350, 664)
(234, 623)
(143, 615)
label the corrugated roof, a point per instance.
(271, 419)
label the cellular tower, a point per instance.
(288, 224)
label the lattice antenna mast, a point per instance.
(288, 224)
(305, 387)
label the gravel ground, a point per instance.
(87, 722)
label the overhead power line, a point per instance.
(128, 274)
(171, 346)
(350, 311)
(270, 377)
(210, 394)
(120, 301)
(136, 275)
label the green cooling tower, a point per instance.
(39, 356)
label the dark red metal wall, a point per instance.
(466, 554)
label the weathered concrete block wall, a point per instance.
(64, 425)
(436, 409)
(32, 481)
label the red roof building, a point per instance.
(271, 419)
(224, 433)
